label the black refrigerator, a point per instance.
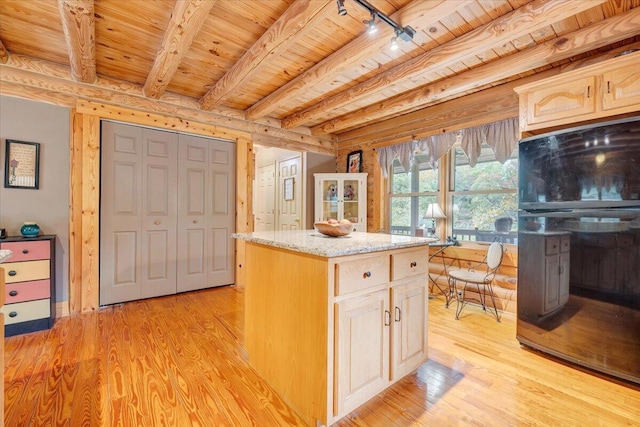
(579, 246)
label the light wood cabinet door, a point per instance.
(621, 88)
(361, 349)
(409, 312)
(567, 99)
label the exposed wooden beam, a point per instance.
(186, 20)
(492, 104)
(299, 18)
(79, 27)
(421, 14)
(45, 75)
(600, 34)
(522, 21)
(4, 53)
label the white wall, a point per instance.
(48, 206)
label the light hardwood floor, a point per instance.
(179, 361)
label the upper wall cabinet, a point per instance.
(602, 90)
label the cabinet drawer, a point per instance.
(552, 245)
(361, 273)
(410, 263)
(565, 244)
(25, 311)
(26, 271)
(27, 291)
(28, 251)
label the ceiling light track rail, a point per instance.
(404, 33)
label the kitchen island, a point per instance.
(332, 321)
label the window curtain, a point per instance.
(501, 136)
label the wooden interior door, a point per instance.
(290, 209)
(138, 213)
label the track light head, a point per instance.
(372, 24)
(394, 43)
(341, 10)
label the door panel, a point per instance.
(264, 198)
(290, 211)
(192, 214)
(120, 215)
(160, 213)
(222, 212)
(206, 216)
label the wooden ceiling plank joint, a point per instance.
(297, 20)
(186, 21)
(78, 23)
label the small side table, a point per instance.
(447, 292)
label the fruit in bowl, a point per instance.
(334, 228)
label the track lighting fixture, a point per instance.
(404, 33)
(394, 43)
(372, 24)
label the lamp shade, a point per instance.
(434, 211)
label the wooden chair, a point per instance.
(481, 276)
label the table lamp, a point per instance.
(433, 212)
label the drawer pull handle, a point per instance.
(13, 293)
(413, 264)
(157, 222)
(12, 273)
(366, 274)
(25, 251)
(13, 314)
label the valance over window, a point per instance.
(501, 136)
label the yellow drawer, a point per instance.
(25, 311)
(410, 263)
(361, 273)
(27, 270)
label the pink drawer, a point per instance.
(27, 291)
(28, 251)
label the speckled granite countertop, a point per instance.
(5, 254)
(314, 243)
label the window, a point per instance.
(410, 194)
(484, 197)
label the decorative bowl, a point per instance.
(334, 230)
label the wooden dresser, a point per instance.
(29, 284)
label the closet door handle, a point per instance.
(398, 316)
(387, 318)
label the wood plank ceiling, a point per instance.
(297, 64)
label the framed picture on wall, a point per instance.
(21, 164)
(354, 161)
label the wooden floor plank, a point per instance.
(179, 360)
